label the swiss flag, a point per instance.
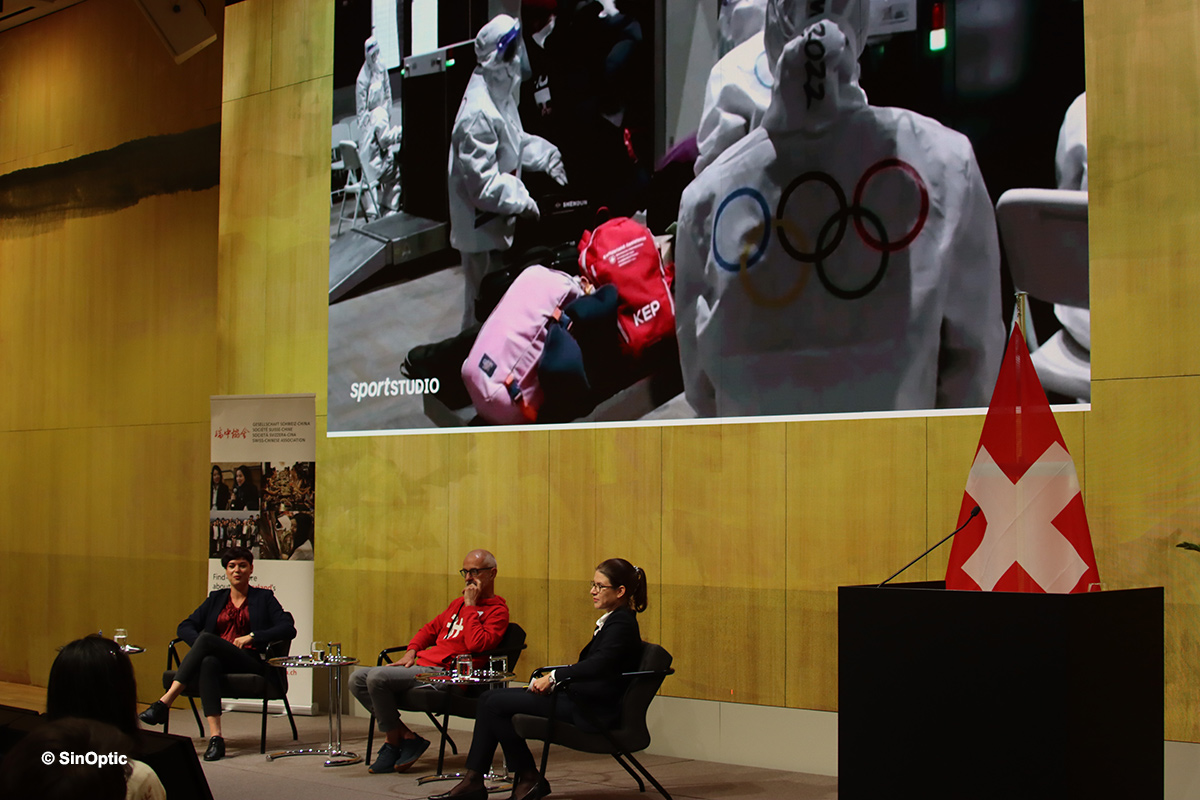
(1032, 534)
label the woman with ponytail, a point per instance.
(593, 684)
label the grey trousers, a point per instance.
(475, 266)
(379, 689)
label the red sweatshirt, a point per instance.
(460, 629)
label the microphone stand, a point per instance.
(974, 513)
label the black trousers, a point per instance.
(210, 659)
(493, 725)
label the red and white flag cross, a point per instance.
(1033, 533)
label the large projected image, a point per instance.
(560, 215)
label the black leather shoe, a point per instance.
(216, 749)
(474, 794)
(156, 714)
(540, 789)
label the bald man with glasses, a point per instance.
(470, 624)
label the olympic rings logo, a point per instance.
(828, 239)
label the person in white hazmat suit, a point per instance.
(488, 150)
(1071, 358)
(841, 257)
(373, 89)
(376, 149)
(739, 86)
(737, 21)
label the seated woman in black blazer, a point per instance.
(619, 590)
(225, 633)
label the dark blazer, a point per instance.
(222, 497)
(245, 497)
(594, 678)
(268, 621)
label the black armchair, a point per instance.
(270, 686)
(631, 734)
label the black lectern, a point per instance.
(979, 695)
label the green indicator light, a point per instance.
(449, 63)
(937, 39)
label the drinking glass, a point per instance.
(318, 651)
(462, 666)
(120, 637)
(498, 665)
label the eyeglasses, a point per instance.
(474, 573)
(598, 586)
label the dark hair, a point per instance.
(92, 678)
(622, 573)
(233, 553)
(24, 773)
(302, 530)
(219, 472)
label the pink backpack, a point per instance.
(623, 252)
(501, 371)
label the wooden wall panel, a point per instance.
(248, 49)
(98, 309)
(107, 323)
(1143, 498)
(297, 264)
(498, 501)
(842, 530)
(94, 541)
(724, 561)
(95, 75)
(604, 489)
(383, 556)
(307, 28)
(1144, 205)
(273, 246)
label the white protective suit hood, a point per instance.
(370, 45)
(503, 76)
(738, 20)
(787, 19)
(804, 100)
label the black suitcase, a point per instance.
(443, 360)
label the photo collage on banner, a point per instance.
(661, 237)
(262, 497)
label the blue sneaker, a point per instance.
(385, 762)
(410, 751)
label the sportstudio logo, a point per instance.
(390, 387)
(829, 238)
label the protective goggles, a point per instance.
(507, 46)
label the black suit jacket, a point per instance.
(595, 681)
(268, 621)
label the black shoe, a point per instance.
(410, 751)
(474, 794)
(156, 714)
(385, 762)
(540, 789)
(216, 749)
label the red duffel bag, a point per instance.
(622, 252)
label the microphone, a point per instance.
(974, 513)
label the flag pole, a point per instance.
(1022, 323)
(1021, 315)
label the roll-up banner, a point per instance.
(262, 496)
